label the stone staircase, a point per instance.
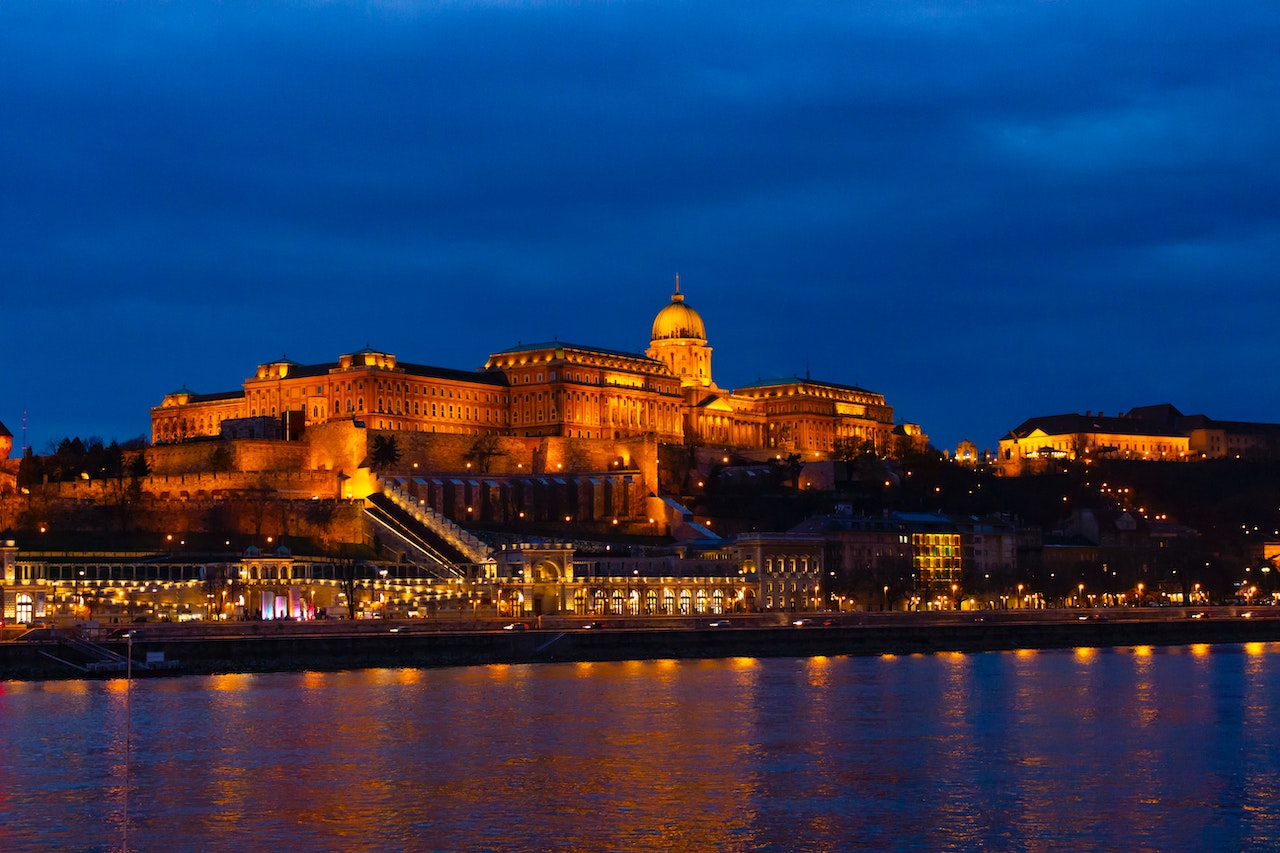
(475, 550)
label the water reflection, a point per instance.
(1101, 749)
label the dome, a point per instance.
(678, 320)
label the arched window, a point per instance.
(24, 608)
(685, 600)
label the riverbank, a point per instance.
(295, 646)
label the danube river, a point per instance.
(1122, 749)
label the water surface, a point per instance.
(1133, 749)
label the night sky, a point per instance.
(983, 211)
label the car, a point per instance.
(1248, 614)
(719, 623)
(516, 626)
(592, 625)
(800, 623)
(1199, 614)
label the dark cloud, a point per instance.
(984, 211)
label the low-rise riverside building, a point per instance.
(524, 579)
(917, 561)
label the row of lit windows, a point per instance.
(794, 565)
(796, 586)
(634, 604)
(937, 562)
(647, 384)
(952, 539)
(396, 387)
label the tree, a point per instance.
(482, 452)
(348, 572)
(386, 452)
(263, 504)
(787, 470)
(220, 460)
(31, 470)
(852, 449)
(139, 467)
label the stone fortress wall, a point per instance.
(466, 478)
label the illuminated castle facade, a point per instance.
(551, 389)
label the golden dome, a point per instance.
(678, 320)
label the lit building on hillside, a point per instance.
(549, 389)
(1154, 433)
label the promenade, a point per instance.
(224, 647)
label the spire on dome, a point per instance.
(678, 320)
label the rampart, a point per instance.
(295, 484)
(243, 455)
(343, 450)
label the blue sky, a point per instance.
(984, 211)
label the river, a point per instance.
(1105, 749)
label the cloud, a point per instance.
(944, 202)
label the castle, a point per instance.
(551, 389)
